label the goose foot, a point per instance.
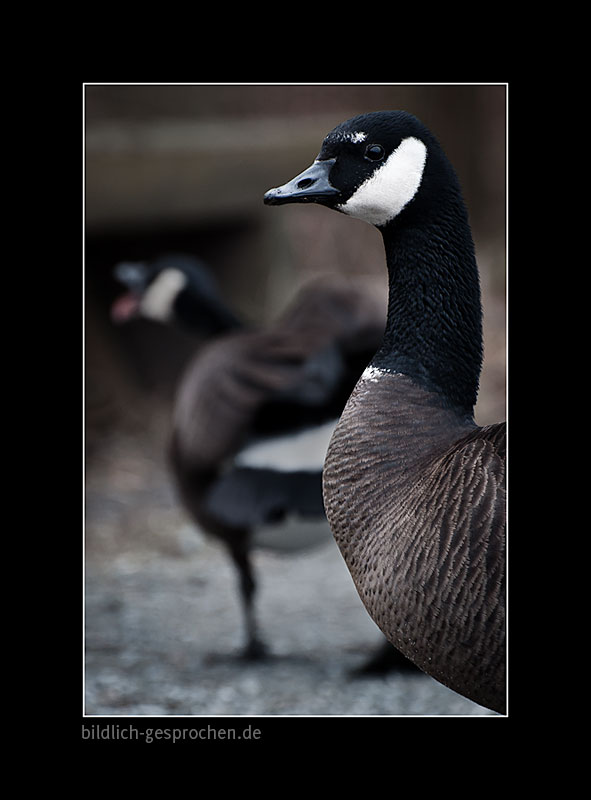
(385, 659)
(255, 650)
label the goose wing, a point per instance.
(455, 554)
(473, 471)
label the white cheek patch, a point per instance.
(385, 193)
(159, 297)
(301, 452)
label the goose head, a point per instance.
(171, 288)
(375, 167)
(388, 169)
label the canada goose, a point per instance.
(413, 488)
(173, 288)
(255, 409)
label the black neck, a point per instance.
(204, 315)
(434, 327)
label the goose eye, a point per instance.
(374, 152)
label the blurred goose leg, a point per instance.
(255, 648)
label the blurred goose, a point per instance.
(255, 410)
(414, 490)
(173, 288)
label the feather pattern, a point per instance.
(428, 568)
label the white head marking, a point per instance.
(350, 136)
(391, 186)
(161, 293)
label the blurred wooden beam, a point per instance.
(176, 172)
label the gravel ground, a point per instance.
(163, 624)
